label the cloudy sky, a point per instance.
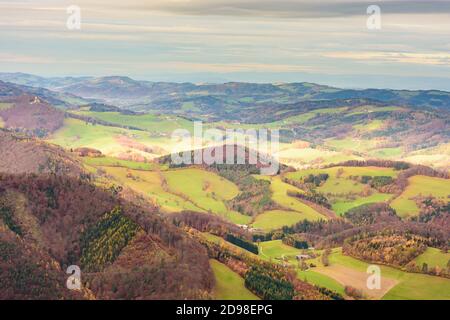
(232, 40)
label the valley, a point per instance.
(362, 181)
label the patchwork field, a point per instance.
(343, 192)
(347, 271)
(229, 285)
(409, 286)
(357, 279)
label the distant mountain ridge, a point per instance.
(147, 95)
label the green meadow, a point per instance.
(149, 184)
(276, 249)
(279, 195)
(320, 279)
(114, 162)
(420, 186)
(434, 258)
(275, 219)
(341, 207)
(344, 192)
(229, 285)
(345, 270)
(148, 122)
(410, 286)
(206, 190)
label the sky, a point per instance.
(325, 41)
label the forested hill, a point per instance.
(50, 220)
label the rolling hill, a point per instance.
(50, 221)
(86, 178)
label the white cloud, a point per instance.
(440, 58)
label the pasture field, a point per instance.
(420, 186)
(386, 153)
(76, 133)
(229, 285)
(114, 162)
(300, 119)
(279, 195)
(346, 172)
(343, 192)
(276, 249)
(148, 122)
(340, 186)
(346, 270)
(373, 109)
(149, 184)
(341, 207)
(410, 286)
(433, 257)
(111, 141)
(275, 219)
(320, 279)
(206, 190)
(369, 126)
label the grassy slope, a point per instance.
(207, 190)
(149, 184)
(76, 133)
(420, 185)
(149, 122)
(276, 219)
(340, 186)
(276, 249)
(342, 207)
(433, 257)
(410, 286)
(279, 195)
(229, 285)
(321, 280)
(114, 162)
(271, 250)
